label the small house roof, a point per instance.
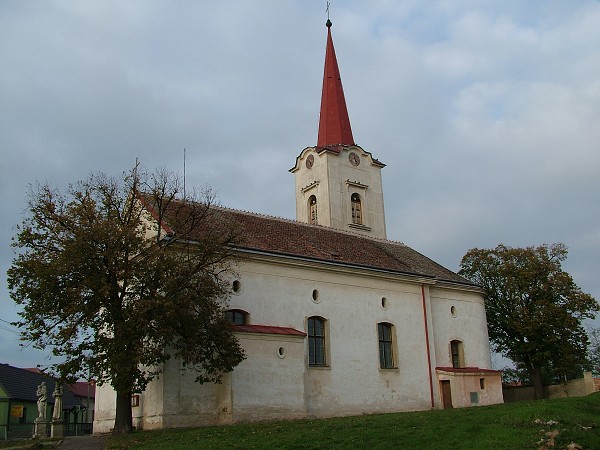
(22, 384)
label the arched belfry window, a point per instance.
(312, 210)
(357, 214)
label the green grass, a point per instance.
(508, 426)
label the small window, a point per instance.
(312, 210)
(384, 303)
(357, 216)
(386, 354)
(474, 398)
(135, 400)
(236, 286)
(315, 296)
(453, 311)
(237, 316)
(482, 383)
(457, 354)
(316, 341)
(23, 418)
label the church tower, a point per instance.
(338, 184)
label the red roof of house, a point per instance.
(267, 329)
(334, 123)
(468, 370)
(80, 389)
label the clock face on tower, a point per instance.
(354, 159)
(310, 161)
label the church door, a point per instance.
(446, 394)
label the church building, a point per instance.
(334, 318)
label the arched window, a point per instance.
(386, 354)
(316, 341)
(237, 316)
(357, 216)
(457, 354)
(312, 210)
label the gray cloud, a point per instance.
(486, 114)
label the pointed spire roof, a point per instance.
(334, 123)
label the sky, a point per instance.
(486, 113)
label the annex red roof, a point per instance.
(267, 329)
(334, 123)
(468, 370)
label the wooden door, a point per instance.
(446, 394)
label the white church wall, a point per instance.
(148, 413)
(104, 409)
(269, 383)
(276, 294)
(283, 292)
(460, 315)
(187, 403)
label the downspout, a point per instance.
(427, 344)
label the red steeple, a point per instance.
(334, 123)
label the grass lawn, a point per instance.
(507, 426)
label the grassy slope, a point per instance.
(508, 426)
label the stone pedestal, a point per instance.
(57, 429)
(39, 429)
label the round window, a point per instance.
(315, 296)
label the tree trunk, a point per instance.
(123, 419)
(538, 385)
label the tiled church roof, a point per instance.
(319, 243)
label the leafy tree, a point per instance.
(534, 309)
(594, 351)
(112, 287)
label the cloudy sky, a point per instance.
(486, 113)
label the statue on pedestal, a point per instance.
(57, 429)
(39, 430)
(42, 395)
(57, 394)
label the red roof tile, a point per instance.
(267, 329)
(80, 389)
(468, 370)
(276, 236)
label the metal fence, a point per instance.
(77, 429)
(15, 431)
